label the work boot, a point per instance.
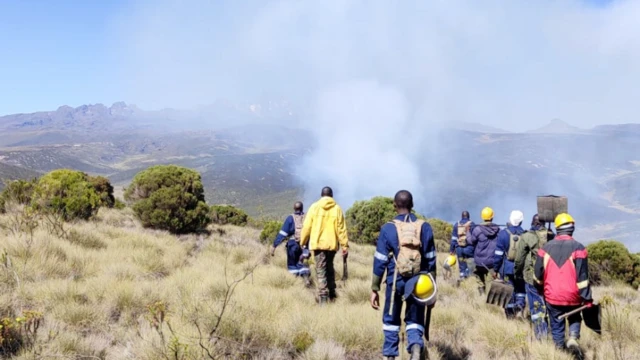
(415, 352)
(574, 348)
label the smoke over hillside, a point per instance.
(379, 78)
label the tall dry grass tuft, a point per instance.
(110, 289)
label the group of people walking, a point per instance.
(548, 270)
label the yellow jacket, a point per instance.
(324, 226)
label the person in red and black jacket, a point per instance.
(562, 274)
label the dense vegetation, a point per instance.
(169, 197)
(610, 260)
(71, 194)
(227, 214)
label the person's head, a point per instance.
(403, 201)
(326, 191)
(535, 221)
(465, 215)
(565, 225)
(297, 206)
(516, 218)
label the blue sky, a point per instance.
(69, 52)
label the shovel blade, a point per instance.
(592, 318)
(500, 293)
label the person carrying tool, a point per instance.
(324, 228)
(459, 245)
(503, 265)
(292, 228)
(406, 251)
(482, 238)
(562, 273)
(526, 254)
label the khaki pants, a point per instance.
(326, 273)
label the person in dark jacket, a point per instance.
(526, 253)
(383, 260)
(459, 245)
(483, 239)
(504, 266)
(562, 271)
(295, 254)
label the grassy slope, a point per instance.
(94, 290)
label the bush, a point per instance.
(169, 197)
(610, 260)
(104, 189)
(441, 231)
(270, 231)
(69, 193)
(365, 218)
(17, 191)
(226, 214)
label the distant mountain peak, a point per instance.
(557, 126)
(475, 127)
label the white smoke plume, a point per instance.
(379, 78)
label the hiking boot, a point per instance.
(574, 348)
(415, 352)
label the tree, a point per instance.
(169, 197)
(69, 193)
(227, 214)
(610, 260)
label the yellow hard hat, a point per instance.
(563, 219)
(426, 289)
(487, 214)
(451, 260)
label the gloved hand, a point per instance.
(375, 300)
(588, 303)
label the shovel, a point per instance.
(500, 292)
(590, 314)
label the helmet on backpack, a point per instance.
(487, 214)
(451, 260)
(425, 290)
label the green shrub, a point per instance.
(67, 192)
(17, 191)
(270, 231)
(365, 218)
(441, 231)
(104, 189)
(119, 204)
(169, 197)
(610, 260)
(227, 214)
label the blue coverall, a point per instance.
(414, 311)
(506, 268)
(295, 253)
(462, 253)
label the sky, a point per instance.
(512, 64)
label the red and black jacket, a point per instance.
(562, 268)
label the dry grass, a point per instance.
(99, 289)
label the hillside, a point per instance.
(252, 163)
(112, 290)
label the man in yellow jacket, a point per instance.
(324, 227)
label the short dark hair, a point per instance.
(465, 214)
(327, 191)
(535, 221)
(403, 200)
(297, 206)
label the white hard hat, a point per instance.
(516, 217)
